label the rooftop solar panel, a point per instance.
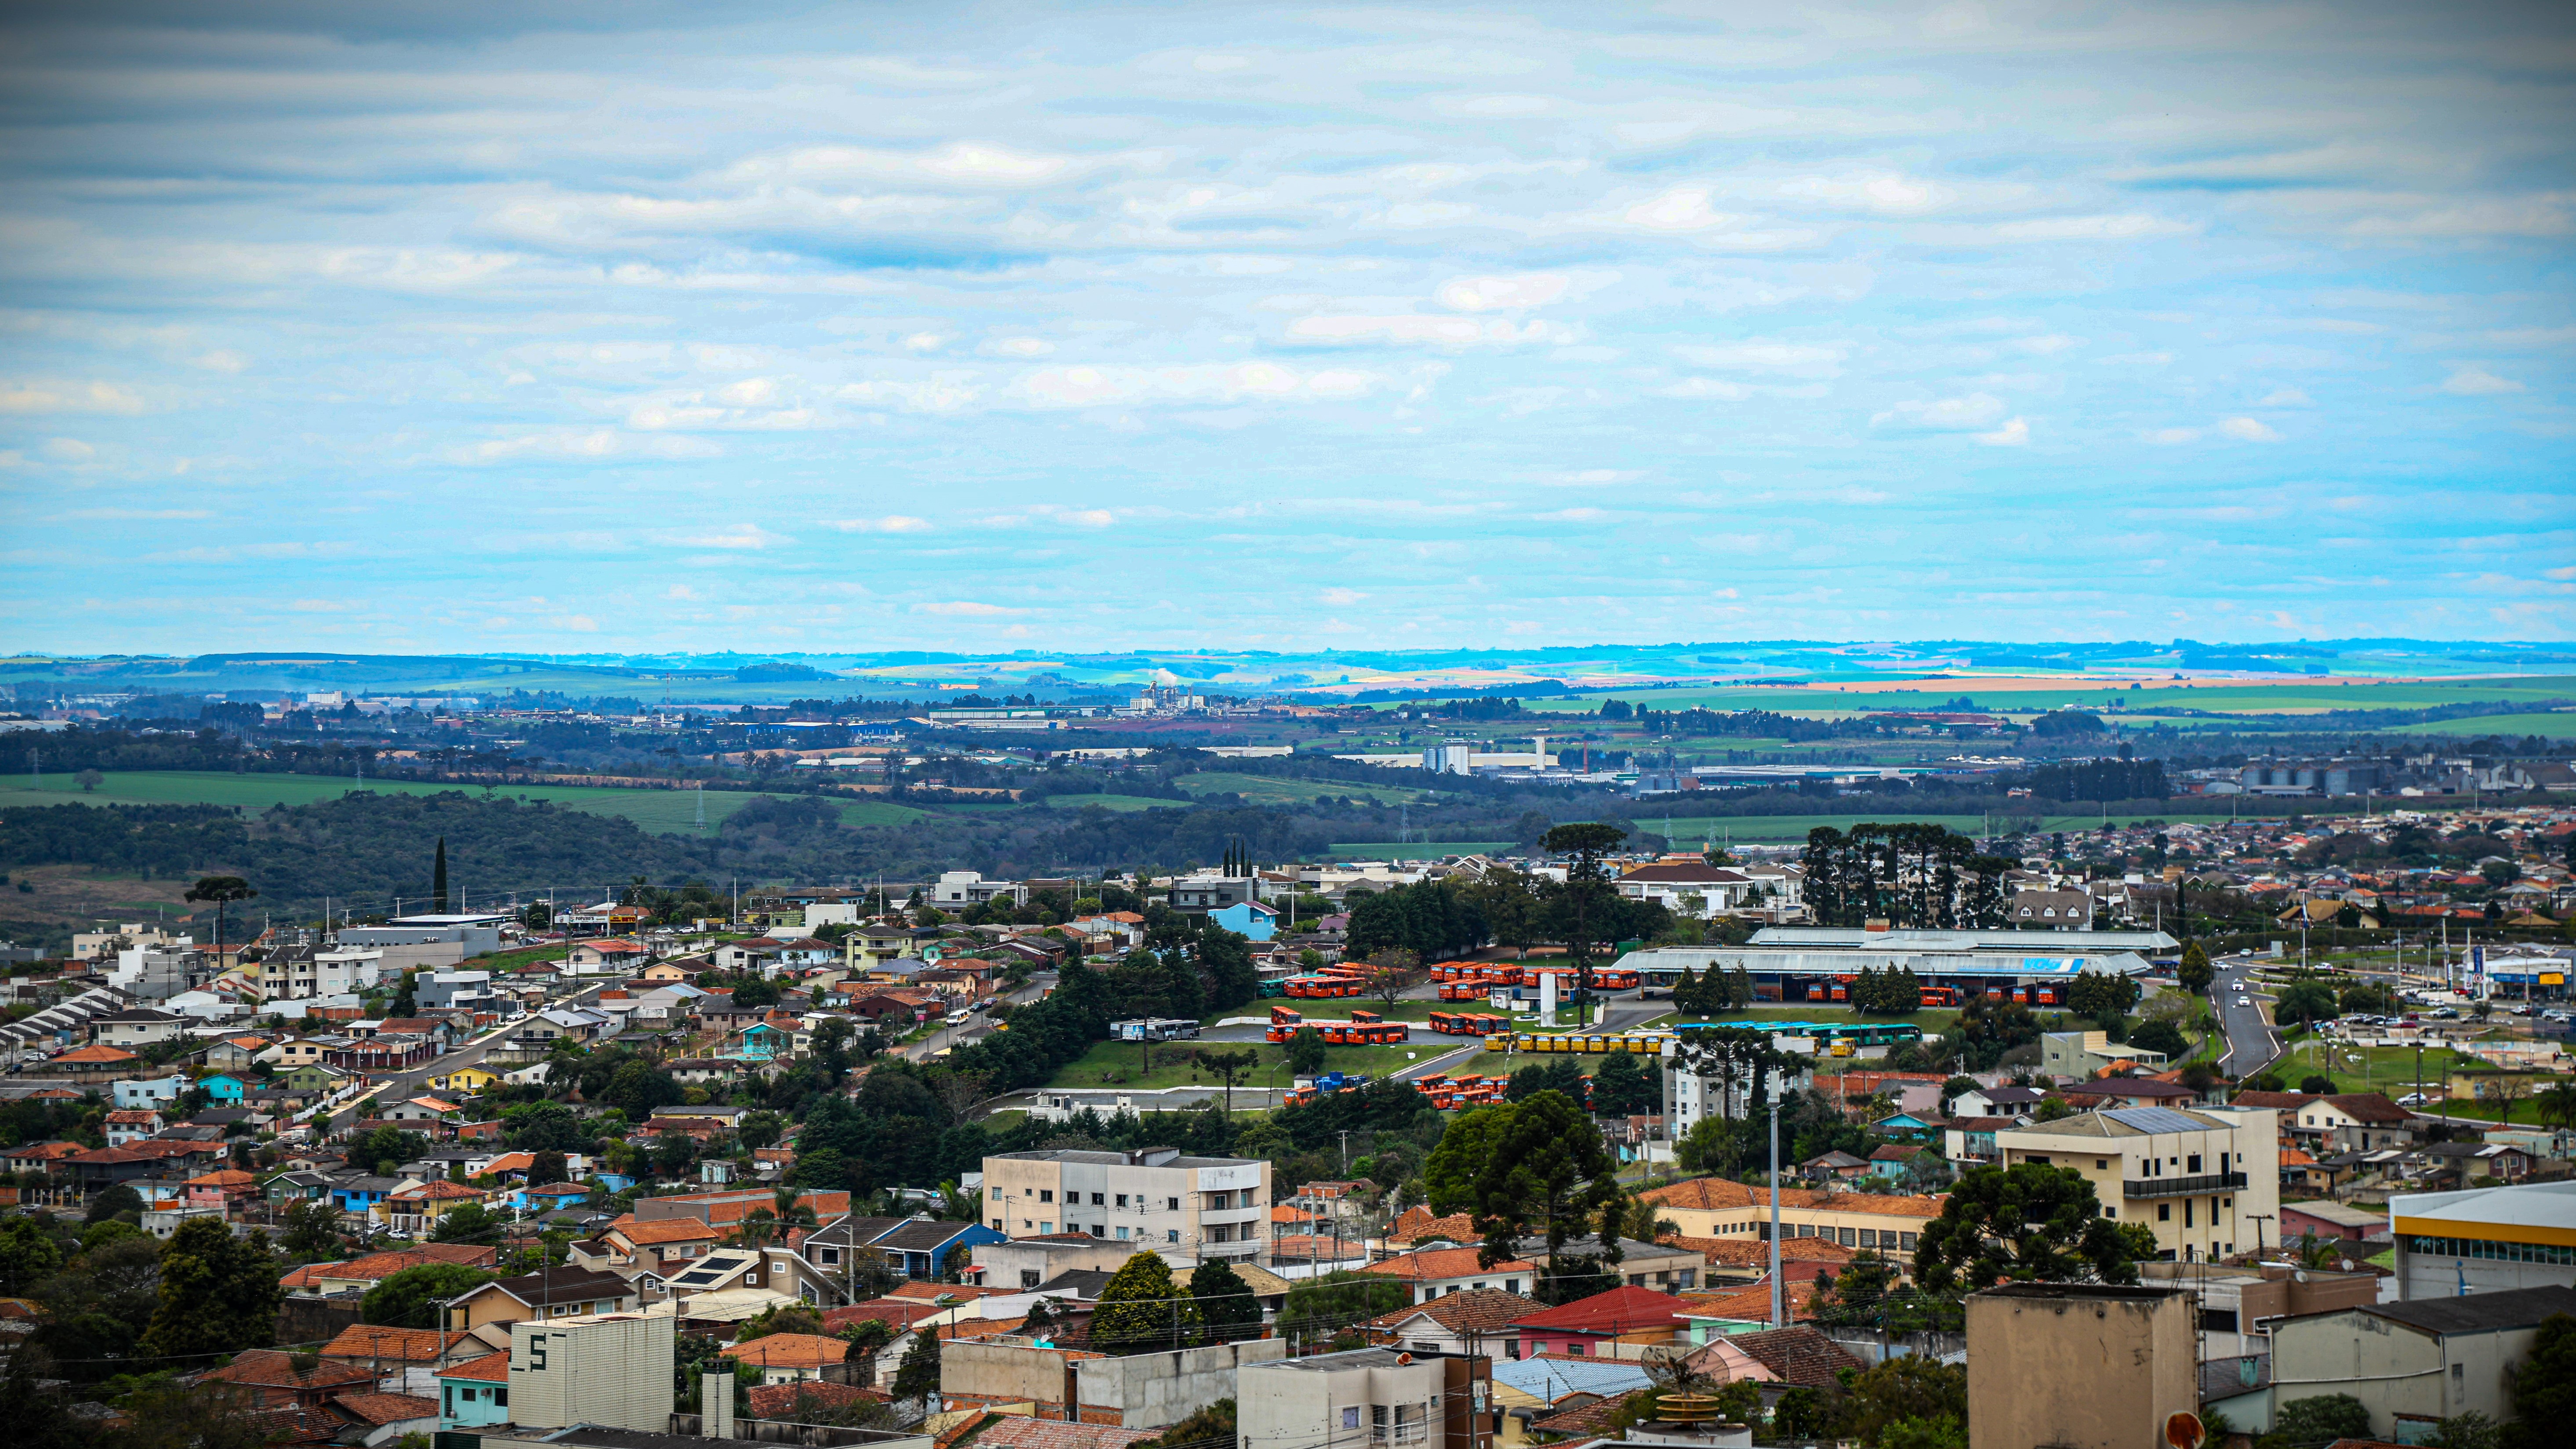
(2155, 1119)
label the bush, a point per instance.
(2322, 1419)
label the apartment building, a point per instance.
(1199, 1207)
(2203, 1181)
(302, 973)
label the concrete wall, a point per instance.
(974, 1373)
(1151, 1390)
(2396, 1371)
(1326, 1403)
(2084, 1368)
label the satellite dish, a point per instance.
(2184, 1431)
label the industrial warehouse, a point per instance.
(1791, 964)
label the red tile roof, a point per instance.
(1717, 1193)
(379, 1344)
(1479, 1310)
(268, 1368)
(1436, 1264)
(381, 1409)
(780, 1401)
(789, 1350)
(1798, 1354)
(1624, 1309)
(491, 1368)
(1018, 1432)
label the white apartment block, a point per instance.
(1691, 1093)
(302, 975)
(2206, 1182)
(1198, 1207)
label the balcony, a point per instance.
(2183, 1186)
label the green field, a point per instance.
(1121, 1064)
(2265, 698)
(2555, 725)
(1120, 804)
(656, 811)
(1264, 790)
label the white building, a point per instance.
(958, 889)
(297, 975)
(2205, 1182)
(1696, 1090)
(1201, 1207)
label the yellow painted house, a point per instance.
(469, 1080)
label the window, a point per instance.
(1172, 1204)
(1046, 1194)
(1046, 1227)
(2164, 1212)
(1171, 1235)
(1850, 1238)
(1905, 1241)
(2099, 1163)
(2186, 1212)
(1096, 1199)
(1028, 1277)
(1122, 1199)
(2218, 1320)
(1122, 1235)
(1575, 1349)
(2194, 1164)
(1351, 1417)
(1512, 1285)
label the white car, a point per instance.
(2245, 1001)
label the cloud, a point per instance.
(1942, 415)
(68, 397)
(965, 608)
(1021, 347)
(1592, 477)
(2285, 397)
(1419, 331)
(1793, 359)
(2173, 437)
(2247, 430)
(2013, 434)
(944, 393)
(2470, 381)
(891, 523)
(135, 514)
(1340, 597)
(737, 536)
(1502, 294)
(580, 445)
(69, 450)
(1095, 387)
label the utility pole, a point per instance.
(1779, 1295)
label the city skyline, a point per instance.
(554, 329)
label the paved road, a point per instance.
(403, 1085)
(972, 1031)
(2251, 1042)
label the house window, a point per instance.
(1172, 1204)
(2164, 1212)
(1046, 1194)
(1172, 1235)
(1122, 1199)
(1028, 1278)
(1095, 1199)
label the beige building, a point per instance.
(2087, 1053)
(1712, 1207)
(2411, 1364)
(2078, 1366)
(1199, 1207)
(2206, 1182)
(1137, 1391)
(1368, 1398)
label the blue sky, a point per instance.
(536, 326)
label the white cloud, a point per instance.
(68, 397)
(751, 392)
(1340, 597)
(925, 342)
(2173, 437)
(740, 536)
(1716, 388)
(1094, 387)
(1418, 331)
(1593, 477)
(1502, 294)
(1943, 415)
(1794, 359)
(943, 393)
(69, 450)
(891, 523)
(220, 360)
(1022, 347)
(2285, 397)
(2247, 430)
(581, 445)
(967, 608)
(2471, 381)
(1681, 210)
(2013, 434)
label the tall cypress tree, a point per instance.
(439, 874)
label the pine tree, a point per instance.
(438, 884)
(2194, 975)
(1225, 1303)
(1141, 1310)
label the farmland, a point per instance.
(657, 811)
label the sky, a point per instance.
(862, 327)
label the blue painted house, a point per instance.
(1250, 919)
(923, 1248)
(549, 1197)
(475, 1393)
(222, 1090)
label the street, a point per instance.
(2251, 1042)
(403, 1085)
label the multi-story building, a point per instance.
(2203, 1181)
(1693, 1090)
(1200, 1207)
(302, 973)
(1368, 1398)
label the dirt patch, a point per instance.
(68, 895)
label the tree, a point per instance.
(89, 779)
(406, 997)
(411, 1298)
(438, 876)
(219, 1293)
(464, 1224)
(1210, 1428)
(1624, 1086)
(2557, 1104)
(1305, 1051)
(2305, 1002)
(2317, 1086)
(2194, 975)
(220, 891)
(114, 1202)
(1906, 1388)
(2029, 1222)
(1225, 1302)
(1318, 1306)
(1230, 1068)
(917, 1377)
(1140, 1309)
(28, 1254)
(1584, 900)
(310, 1228)
(1548, 1170)
(2322, 1419)
(1392, 972)
(2160, 1036)
(781, 1318)
(1708, 1147)
(1466, 1145)
(2544, 1385)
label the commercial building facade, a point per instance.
(2484, 1239)
(1203, 1207)
(2205, 1182)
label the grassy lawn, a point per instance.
(1119, 804)
(1122, 1064)
(1264, 790)
(2370, 1069)
(656, 811)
